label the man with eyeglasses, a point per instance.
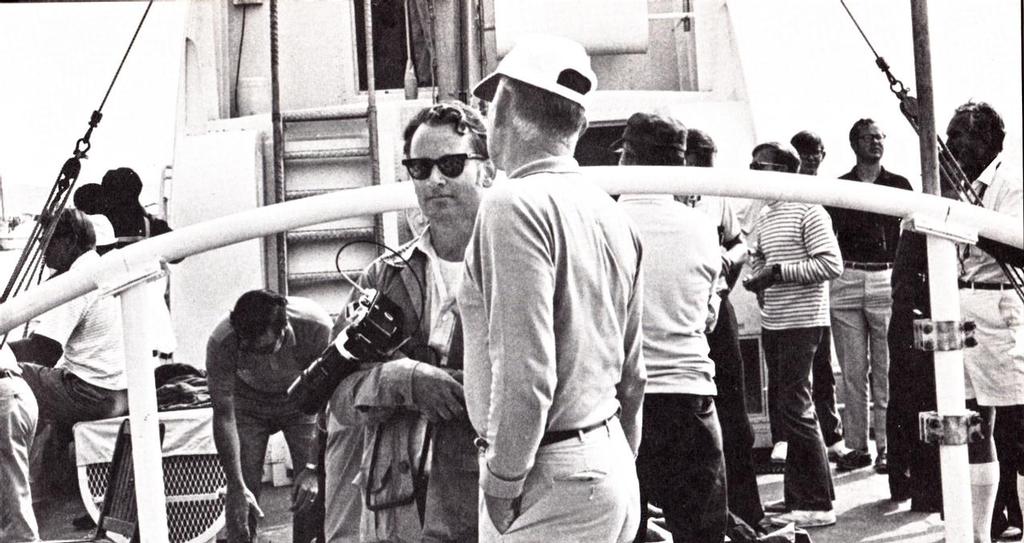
(861, 302)
(408, 413)
(552, 302)
(252, 357)
(812, 152)
(793, 255)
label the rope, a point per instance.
(60, 192)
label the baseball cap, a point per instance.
(653, 130)
(552, 63)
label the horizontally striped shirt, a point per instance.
(799, 238)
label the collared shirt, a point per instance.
(309, 328)
(1002, 193)
(91, 331)
(551, 302)
(681, 267)
(864, 236)
(799, 238)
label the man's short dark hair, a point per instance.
(462, 118)
(782, 154)
(858, 126)
(806, 142)
(549, 113)
(254, 312)
(74, 225)
(984, 119)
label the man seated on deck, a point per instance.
(74, 359)
(18, 416)
(252, 356)
(413, 405)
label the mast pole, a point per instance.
(942, 273)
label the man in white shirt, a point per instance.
(74, 359)
(681, 466)
(551, 301)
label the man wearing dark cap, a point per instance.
(551, 305)
(122, 188)
(680, 421)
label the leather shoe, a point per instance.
(852, 460)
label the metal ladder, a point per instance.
(312, 145)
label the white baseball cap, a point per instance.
(553, 63)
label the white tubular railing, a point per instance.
(124, 272)
(276, 218)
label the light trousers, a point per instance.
(580, 489)
(18, 416)
(861, 306)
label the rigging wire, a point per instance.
(950, 172)
(23, 278)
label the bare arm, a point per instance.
(630, 390)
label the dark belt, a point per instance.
(984, 286)
(867, 266)
(562, 435)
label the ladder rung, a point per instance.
(333, 113)
(315, 278)
(331, 234)
(325, 154)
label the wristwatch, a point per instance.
(777, 272)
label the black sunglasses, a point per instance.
(448, 165)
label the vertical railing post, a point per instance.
(949, 391)
(142, 410)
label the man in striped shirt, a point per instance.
(793, 255)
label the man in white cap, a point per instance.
(551, 304)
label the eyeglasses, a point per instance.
(449, 165)
(871, 138)
(768, 166)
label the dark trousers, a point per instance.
(823, 394)
(913, 466)
(789, 355)
(1009, 436)
(681, 468)
(731, 404)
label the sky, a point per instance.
(56, 62)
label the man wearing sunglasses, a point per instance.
(251, 357)
(793, 256)
(552, 304)
(409, 412)
(861, 302)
